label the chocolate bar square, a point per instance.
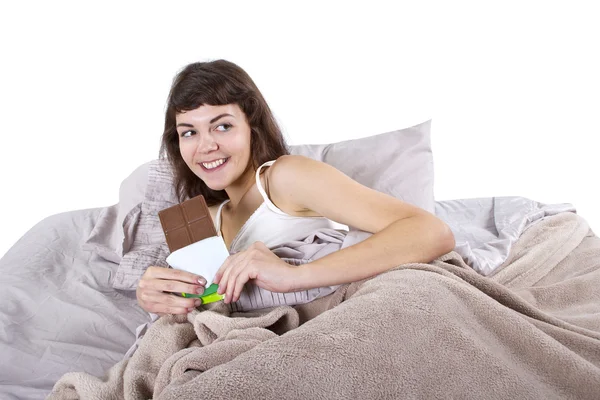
(187, 223)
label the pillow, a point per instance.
(403, 169)
(148, 244)
(111, 236)
(398, 163)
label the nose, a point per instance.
(206, 143)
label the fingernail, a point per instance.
(200, 290)
(202, 281)
(198, 303)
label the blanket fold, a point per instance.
(437, 330)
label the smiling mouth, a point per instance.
(216, 168)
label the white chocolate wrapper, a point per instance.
(203, 258)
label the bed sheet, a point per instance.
(58, 312)
(486, 228)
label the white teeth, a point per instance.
(214, 164)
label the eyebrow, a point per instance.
(210, 122)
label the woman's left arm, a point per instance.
(420, 238)
(402, 233)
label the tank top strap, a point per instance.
(219, 217)
(262, 191)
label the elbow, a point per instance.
(445, 239)
(440, 237)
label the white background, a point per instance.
(512, 88)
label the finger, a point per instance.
(229, 283)
(176, 274)
(232, 262)
(237, 274)
(242, 278)
(170, 300)
(164, 309)
(242, 273)
(224, 281)
(163, 285)
(222, 269)
(170, 285)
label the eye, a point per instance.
(185, 133)
(228, 126)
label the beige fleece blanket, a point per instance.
(439, 330)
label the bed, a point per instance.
(512, 311)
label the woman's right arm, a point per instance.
(155, 291)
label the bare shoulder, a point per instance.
(280, 177)
(289, 168)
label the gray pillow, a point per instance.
(399, 163)
(113, 232)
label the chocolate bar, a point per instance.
(187, 223)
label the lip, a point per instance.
(214, 169)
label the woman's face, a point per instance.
(210, 134)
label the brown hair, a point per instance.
(216, 83)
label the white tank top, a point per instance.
(272, 226)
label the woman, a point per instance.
(224, 143)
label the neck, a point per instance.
(238, 191)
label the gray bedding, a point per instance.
(486, 228)
(60, 314)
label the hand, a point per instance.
(156, 281)
(258, 263)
